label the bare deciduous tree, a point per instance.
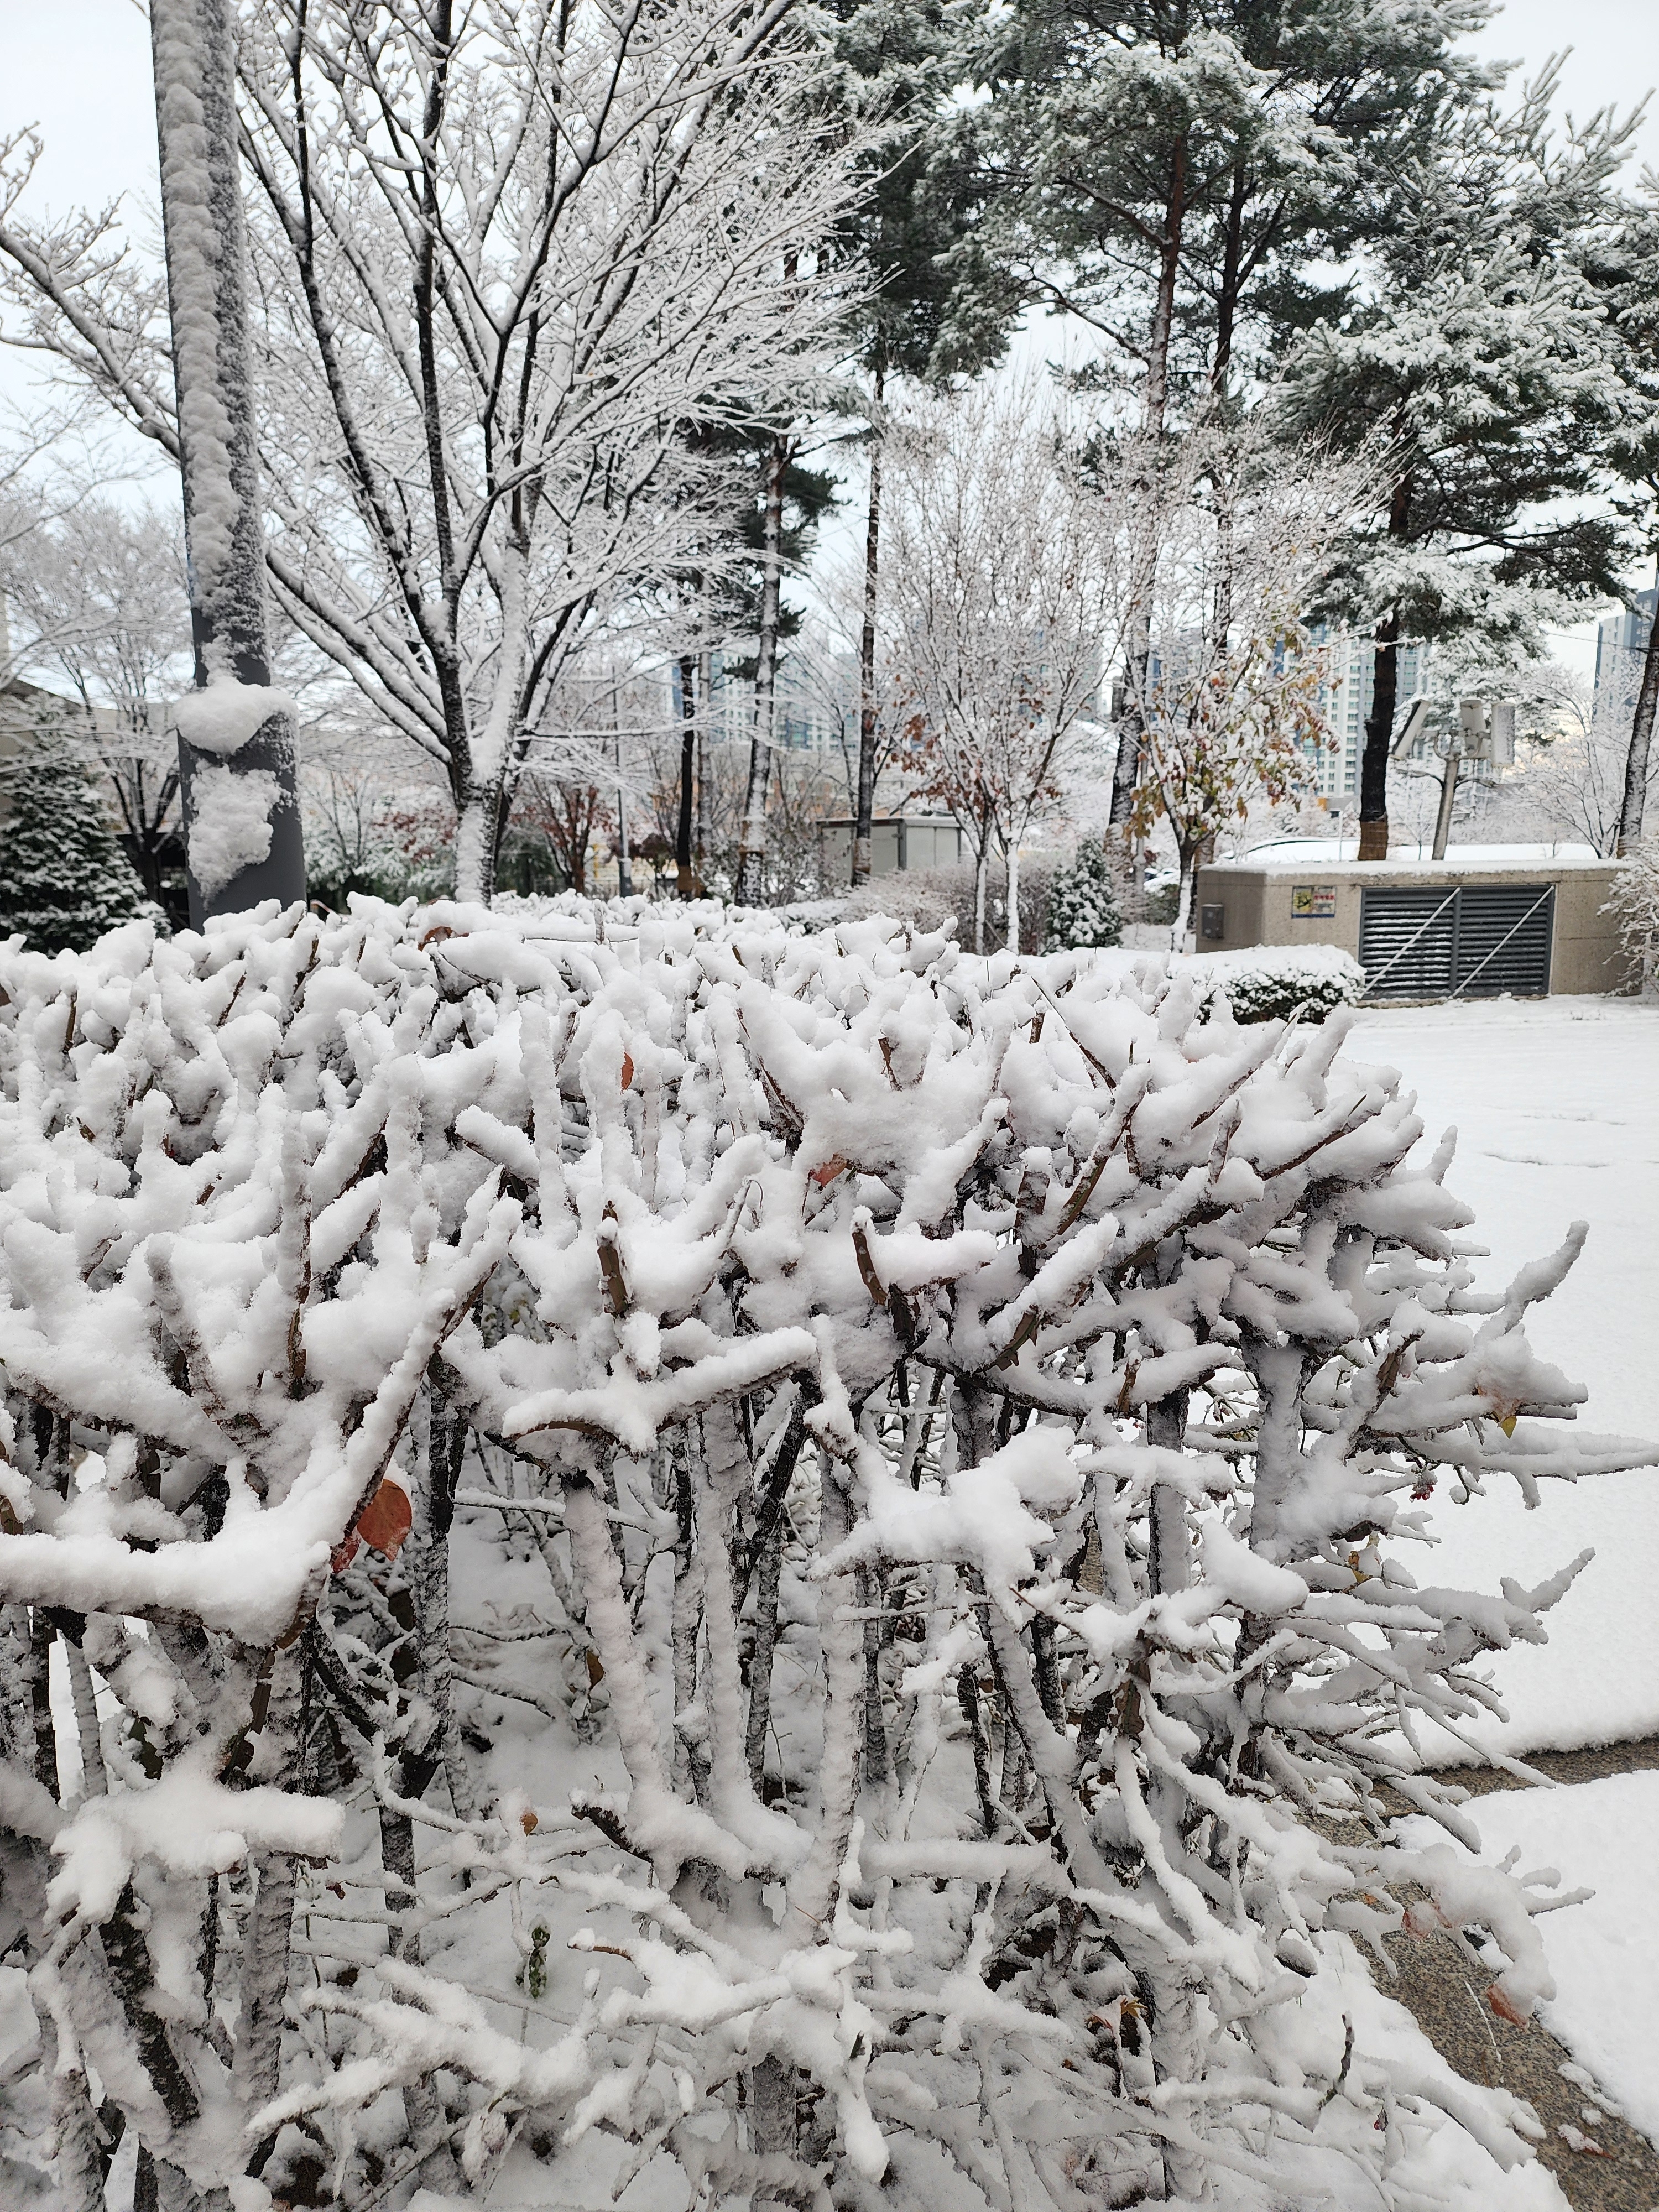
(1231, 697)
(1003, 601)
(503, 256)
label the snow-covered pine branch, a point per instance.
(929, 1446)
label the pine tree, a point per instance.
(1173, 173)
(63, 877)
(1168, 170)
(1486, 360)
(939, 304)
(1083, 903)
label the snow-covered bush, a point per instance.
(920, 1446)
(1281, 982)
(1635, 901)
(63, 877)
(1082, 901)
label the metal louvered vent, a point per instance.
(1474, 941)
(1408, 943)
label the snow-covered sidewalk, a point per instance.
(1557, 1104)
(1604, 1952)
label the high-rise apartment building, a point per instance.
(1347, 701)
(1621, 642)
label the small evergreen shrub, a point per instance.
(1082, 910)
(63, 877)
(1271, 982)
(1161, 905)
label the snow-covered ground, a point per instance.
(1603, 1953)
(1556, 1103)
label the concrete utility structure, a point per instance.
(1517, 919)
(896, 842)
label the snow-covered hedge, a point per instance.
(1279, 982)
(754, 1542)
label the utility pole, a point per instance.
(1483, 731)
(236, 763)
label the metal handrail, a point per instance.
(1395, 958)
(1542, 897)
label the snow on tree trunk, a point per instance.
(236, 761)
(1182, 930)
(927, 1448)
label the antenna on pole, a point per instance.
(1412, 725)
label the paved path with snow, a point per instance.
(1557, 1105)
(1443, 1992)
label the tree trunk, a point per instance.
(201, 225)
(686, 880)
(981, 866)
(866, 808)
(476, 841)
(1379, 734)
(1164, 304)
(624, 860)
(1013, 895)
(79, 2177)
(269, 1926)
(1154, 407)
(1231, 283)
(706, 693)
(1641, 742)
(751, 849)
(1385, 693)
(1187, 855)
(1126, 772)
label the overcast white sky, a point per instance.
(80, 70)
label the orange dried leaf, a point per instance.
(828, 1171)
(1505, 2006)
(387, 1519)
(627, 1069)
(530, 1822)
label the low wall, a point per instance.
(1305, 902)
